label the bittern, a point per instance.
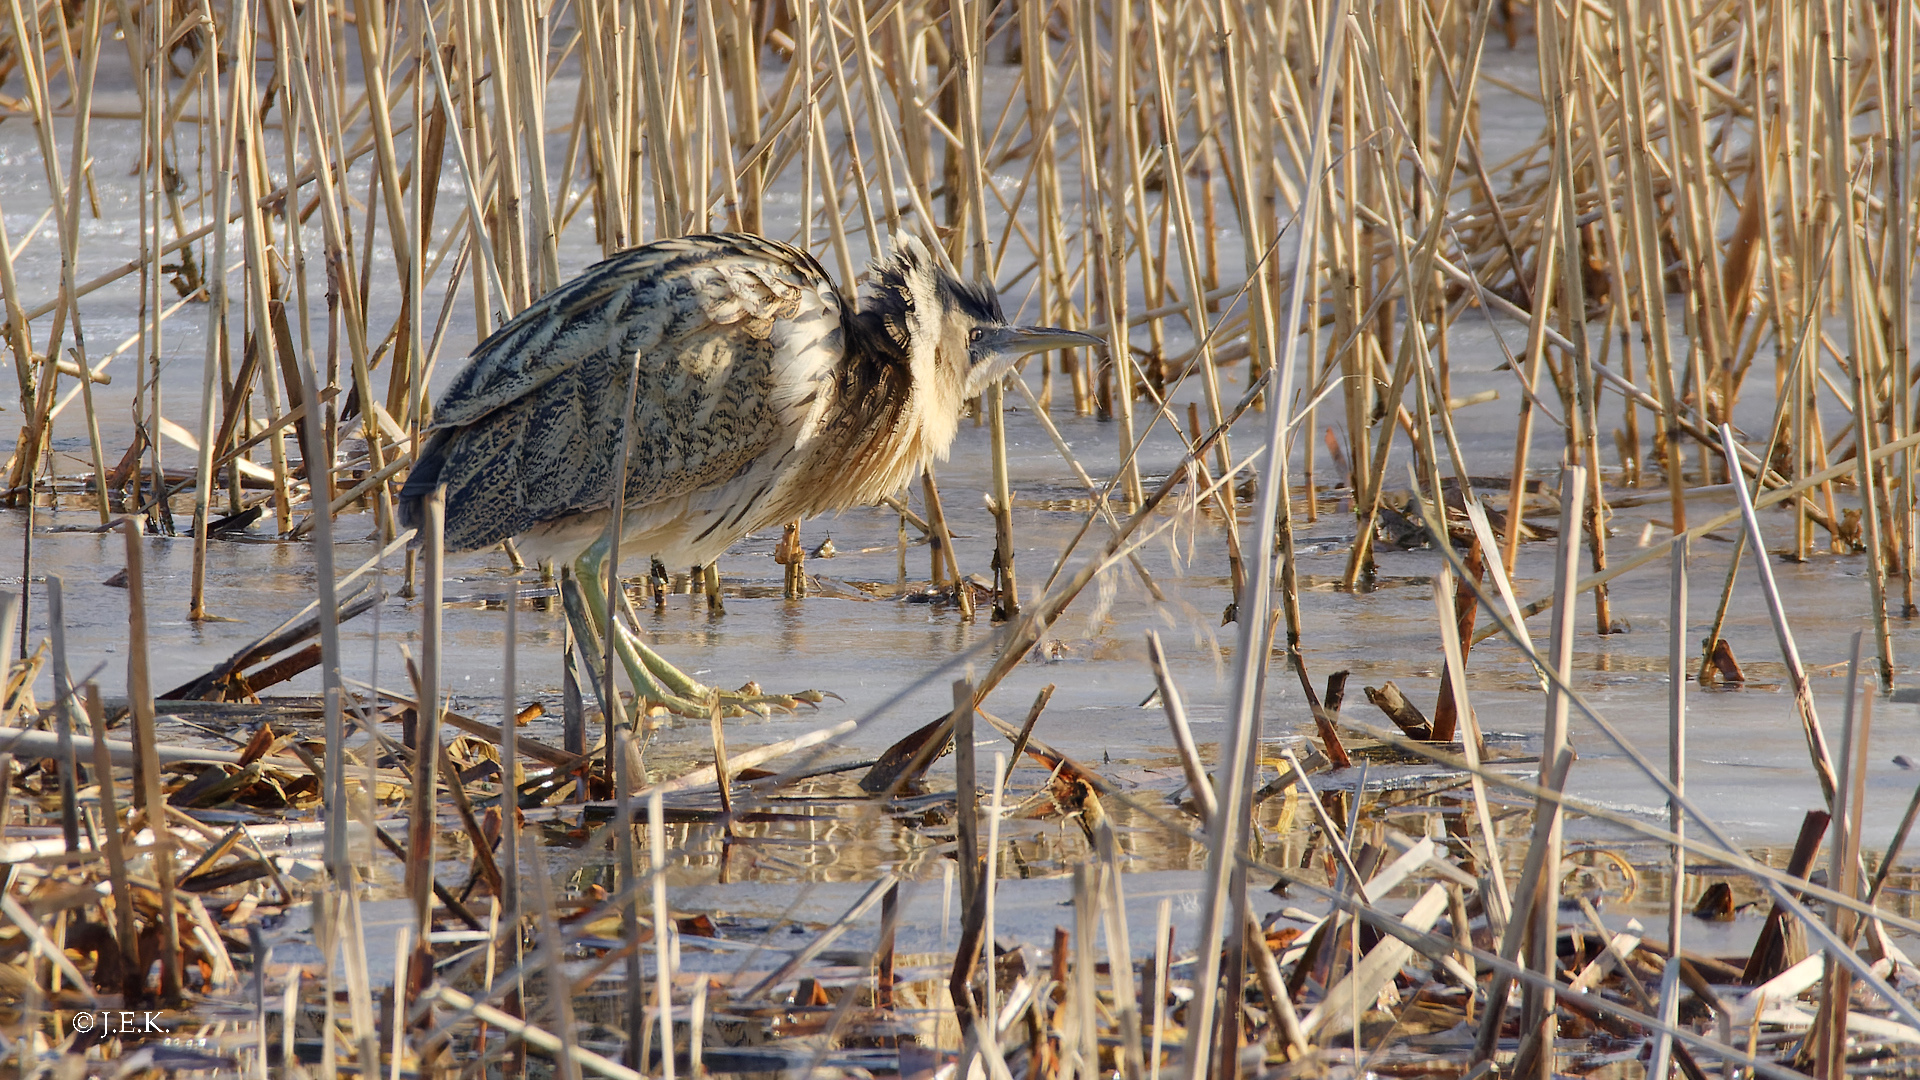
(759, 394)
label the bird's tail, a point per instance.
(421, 480)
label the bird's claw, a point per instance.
(749, 700)
(751, 697)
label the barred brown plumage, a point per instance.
(760, 396)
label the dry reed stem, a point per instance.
(140, 704)
(1677, 726)
(1556, 758)
(1789, 651)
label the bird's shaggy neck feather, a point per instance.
(901, 383)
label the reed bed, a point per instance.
(1275, 212)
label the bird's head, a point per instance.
(953, 332)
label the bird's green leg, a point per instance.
(669, 687)
(590, 625)
(653, 675)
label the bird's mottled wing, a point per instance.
(530, 432)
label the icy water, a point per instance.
(890, 659)
(863, 636)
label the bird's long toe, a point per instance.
(753, 698)
(662, 685)
(685, 690)
(747, 701)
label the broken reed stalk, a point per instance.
(663, 929)
(616, 602)
(149, 801)
(1828, 1036)
(1183, 745)
(989, 959)
(1081, 1035)
(1157, 986)
(967, 794)
(1677, 730)
(559, 988)
(1538, 1023)
(12, 607)
(68, 710)
(125, 937)
(509, 804)
(1790, 652)
(636, 1006)
(1472, 742)
(422, 824)
(1125, 991)
(210, 365)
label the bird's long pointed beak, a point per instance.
(1017, 341)
(1000, 348)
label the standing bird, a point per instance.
(760, 396)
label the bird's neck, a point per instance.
(892, 416)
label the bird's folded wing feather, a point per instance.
(533, 425)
